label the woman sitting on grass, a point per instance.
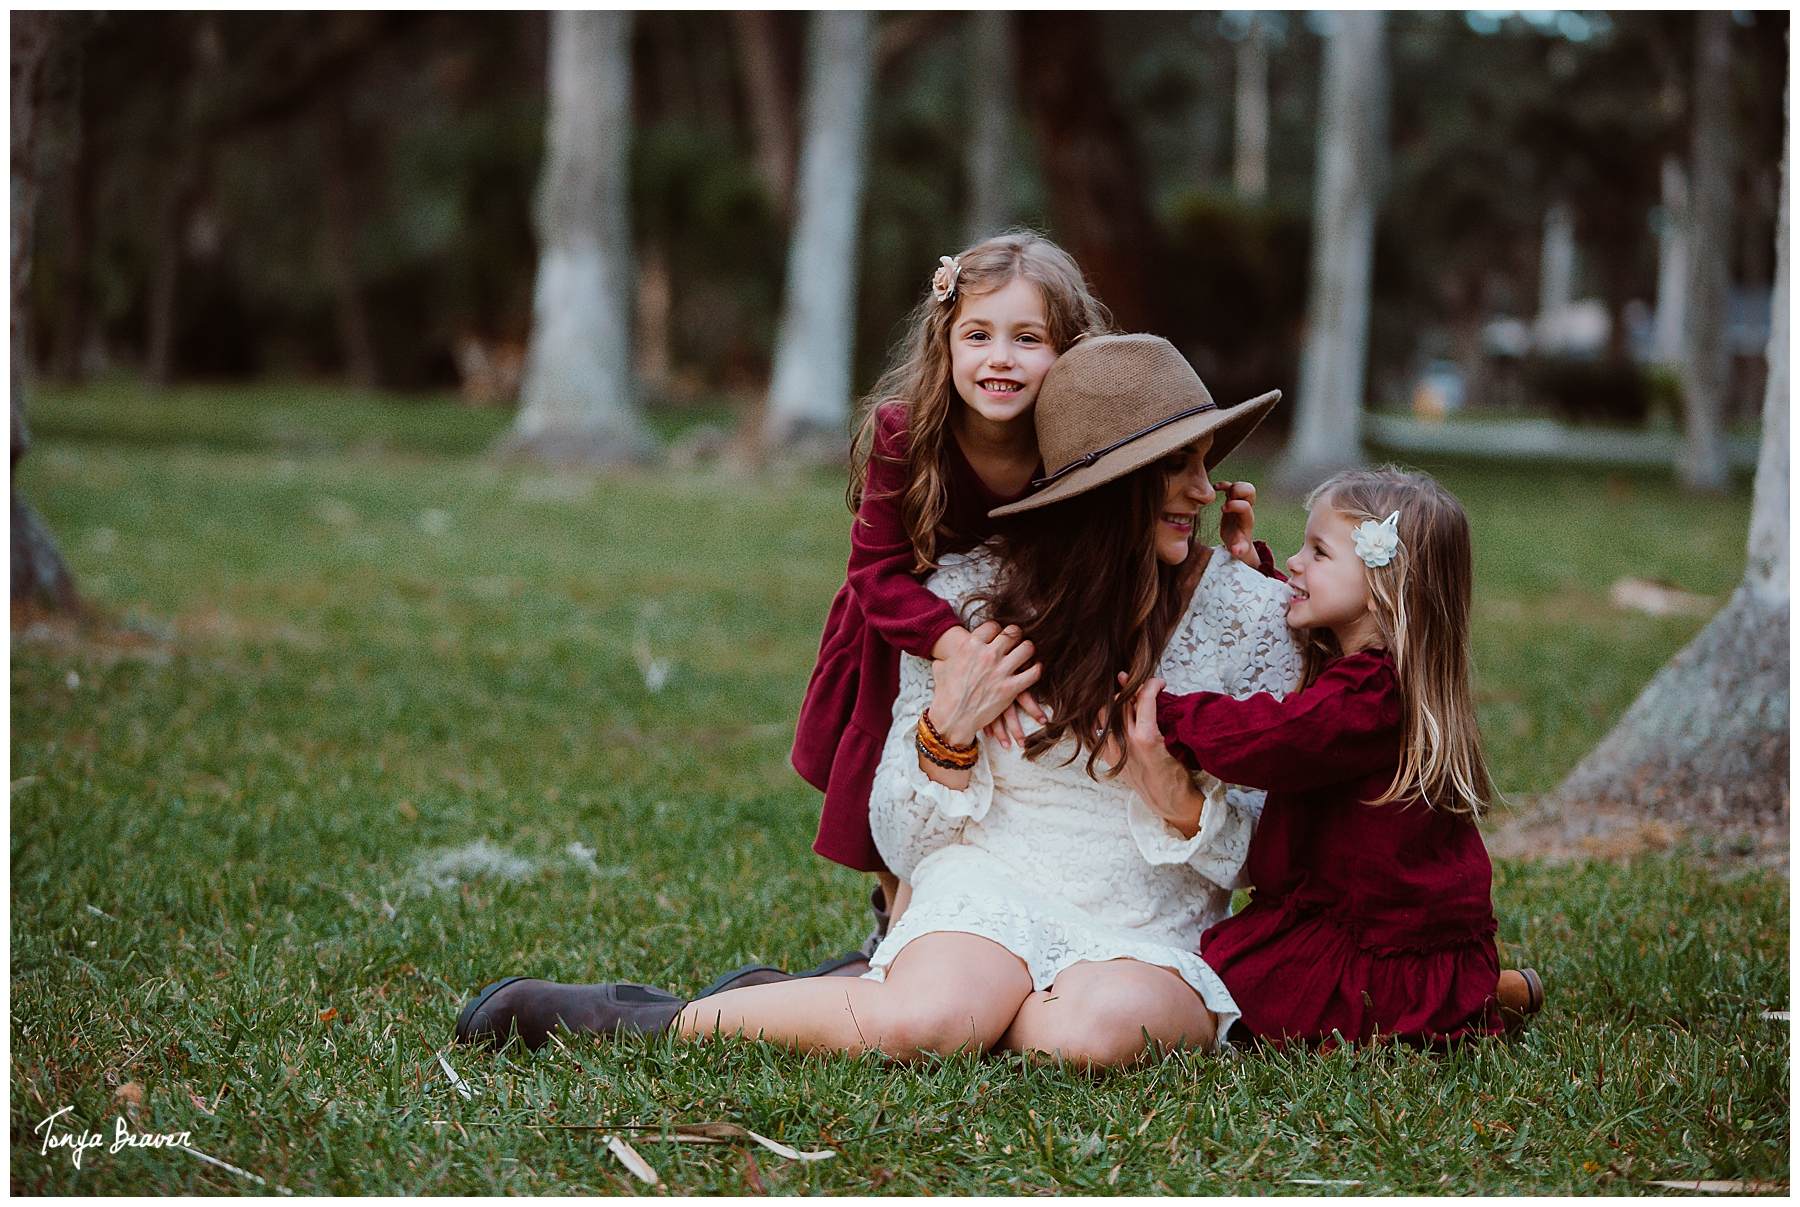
(1050, 912)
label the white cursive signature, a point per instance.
(123, 1137)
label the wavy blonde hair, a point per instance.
(918, 377)
(1422, 599)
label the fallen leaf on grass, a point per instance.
(628, 1157)
(327, 1014)
(130, 1096)
(242, 1173)
(1658, 598)
(724, 1133)
(462, 1087)
(1712, 1187)
(753, 1175)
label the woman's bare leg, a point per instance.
(944, 992)
(1096, 1015)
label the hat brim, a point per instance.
(1227, 427)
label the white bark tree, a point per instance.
(991, 101)
(1706, 363)
(809, 394)
(1707, 741)
(1250, 150)
(1346, 183)
(1672, 264)
(578, 403)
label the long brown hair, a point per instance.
(1082, 580)
(918, 377)
(1422, 599)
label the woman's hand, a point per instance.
(1148, 768)
(973, 686)
(1237, 521)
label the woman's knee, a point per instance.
(910, 1028)
(1113, 1013)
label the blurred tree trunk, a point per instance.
(1706, 364)
(1707, 741)
(1352, 135)
(989, 58)
(178, 210)
(354, 343)
(809, 394)
(1098, 193)
(72, 315)
(1250, 152)
(655, 307)
(38, 570)
(1672, 264)
(773, 118)
(577, 402)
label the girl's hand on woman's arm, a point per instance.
(1007, 729)
(1148, 768)
(1237, 521)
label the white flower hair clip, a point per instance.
(943, 281)
(1377, 542)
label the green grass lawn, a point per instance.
(370, 725)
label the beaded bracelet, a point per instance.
(949, 756)
(949, 747)
(956, 758)
(944, 763)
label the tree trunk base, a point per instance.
(1706, 743)
(1292, 478)
(591, 450)
(39, 573)
(785, 438)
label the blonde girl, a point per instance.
(1371, 912)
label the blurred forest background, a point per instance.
(349, 196)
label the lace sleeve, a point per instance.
(1218, 848)
(910, 814)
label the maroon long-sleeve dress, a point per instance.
(1364, 919)
(882, 609)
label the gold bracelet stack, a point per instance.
(937, 749)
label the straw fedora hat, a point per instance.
(1115, 403)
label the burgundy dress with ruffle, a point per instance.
(1365, 920)
(881, 609)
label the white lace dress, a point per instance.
(1058, 867)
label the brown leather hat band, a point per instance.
(1088, 459)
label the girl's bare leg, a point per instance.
(898, 901)
(1096, 1014)
(944, 992)
(890, 892)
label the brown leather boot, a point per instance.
(852, 963)
(535, 1008)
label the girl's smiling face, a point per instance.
(1330, 584)
(1000, 350)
